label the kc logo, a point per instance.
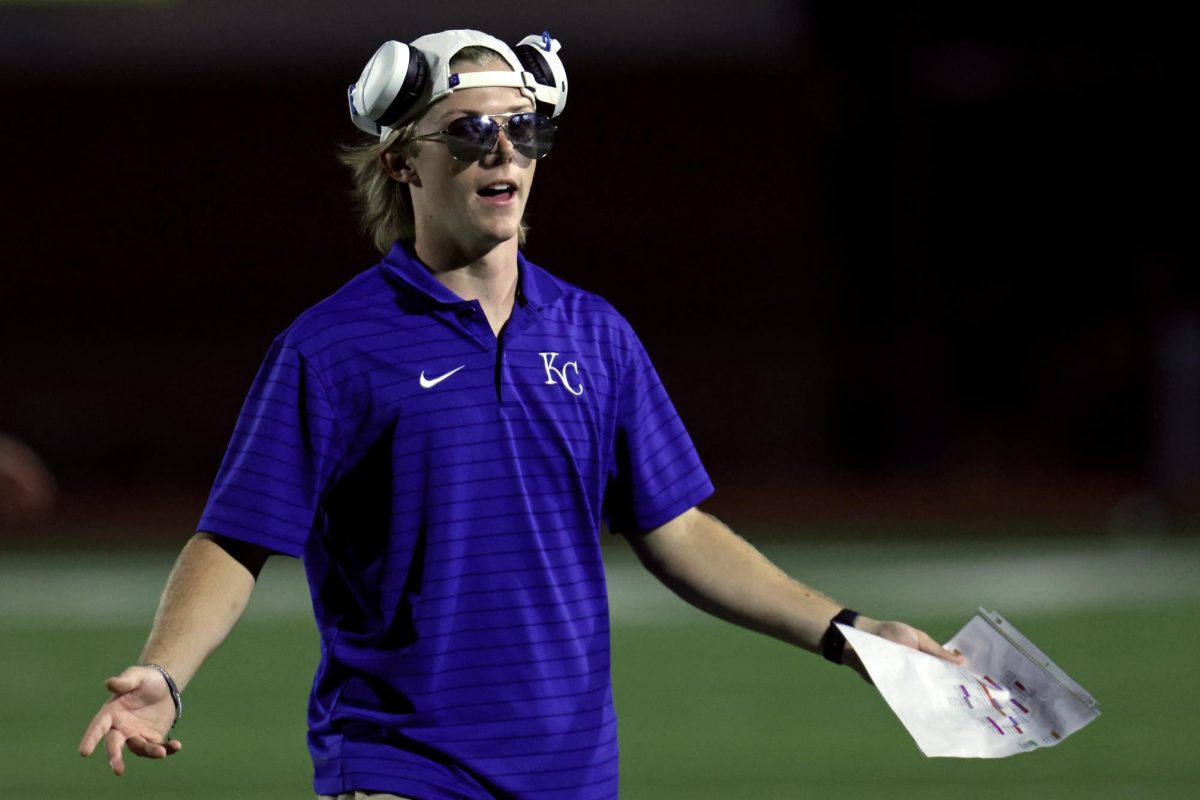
(553, 372)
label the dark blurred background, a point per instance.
(892, 260)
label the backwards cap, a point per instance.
(400, 80)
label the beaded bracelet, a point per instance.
(176, 698)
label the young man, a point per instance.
(439, 441)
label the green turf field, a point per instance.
(707, 711)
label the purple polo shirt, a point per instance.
(445, 490)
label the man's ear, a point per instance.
(399, 168)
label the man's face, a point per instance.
(456, 204)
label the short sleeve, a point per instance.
(283, 455)
(656, 473)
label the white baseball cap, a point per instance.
(400, 80)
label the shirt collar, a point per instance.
(402, 267)
(535, 287)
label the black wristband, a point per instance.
(835, 640)
(176, 697)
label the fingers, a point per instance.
(116, 741)
(119, 723)
(917, 639)
(103, 722)
(140, 746)
(94, 733)
(113, 747)
(926, 644)
(123, 683)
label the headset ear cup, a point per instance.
(539, 56)
(390, 88)
(415, 79)
(534, 64)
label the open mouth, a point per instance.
(503, 190)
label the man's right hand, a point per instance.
(140, 714)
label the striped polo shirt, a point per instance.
(445, 489)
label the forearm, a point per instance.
(711, 567)
(206, 593)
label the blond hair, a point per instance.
(385, 205)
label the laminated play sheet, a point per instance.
(1007, 698)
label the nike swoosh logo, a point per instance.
(429, 383)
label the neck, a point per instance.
(489, 277)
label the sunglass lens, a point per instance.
(531, 134)
(471, 138)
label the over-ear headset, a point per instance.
(400, 80)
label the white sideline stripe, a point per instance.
(39, 591)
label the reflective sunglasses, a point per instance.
(472, 138)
